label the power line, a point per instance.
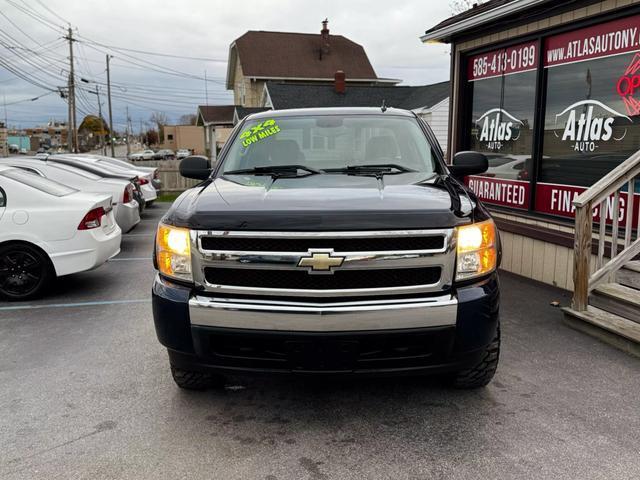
(35, 16)
(153, 66)
(157, 54)
(27, 99)
(52, 12)
(19, 29)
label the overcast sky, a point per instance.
(388, 31)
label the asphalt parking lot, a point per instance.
(86, 394)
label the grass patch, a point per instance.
(168, 197)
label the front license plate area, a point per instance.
(322, 355)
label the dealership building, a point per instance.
(550, 92)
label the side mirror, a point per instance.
(195, 166)
(468, 163)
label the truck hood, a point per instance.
(316, 203)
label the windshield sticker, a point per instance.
(259, 132)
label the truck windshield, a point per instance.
(331, 143)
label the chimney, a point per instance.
(340, 82)
(325, 48)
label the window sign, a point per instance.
(603, 40)
(502, 83)
(592, 116)
(519, 58)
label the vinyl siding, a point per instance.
(439, 122)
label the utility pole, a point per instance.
(69, 117)
(72, 95)
(113, 152)
(4, 149)
(103, 148)
(128, 139)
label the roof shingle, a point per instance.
(216, 114)
(298, 55)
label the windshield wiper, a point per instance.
(376, 170)
(276, 171)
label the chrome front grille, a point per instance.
(323, 264)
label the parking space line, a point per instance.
(77, 304)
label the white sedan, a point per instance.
(145, 179)
(125, 207)
(143, 155)
(155, 181)
(48, 230)
(182, 153)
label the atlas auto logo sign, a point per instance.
(587, 123)
(497, 126)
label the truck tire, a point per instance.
(190, 380)
(481, 374)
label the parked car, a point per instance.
(144, 178)
(164, 154)
(367, 256)
(182, 153)
(508, 167)
(155, 180)
(125, 206)
(142, 155)
(49, 230)
(23, 151)
(103, 172)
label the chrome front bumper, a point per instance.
(332, 317)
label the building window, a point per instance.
(170, 137)
(502, 86)
(592, 111)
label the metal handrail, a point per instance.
(602, 199)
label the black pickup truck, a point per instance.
(329, 241)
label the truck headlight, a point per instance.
(173, 252)
(476, 250)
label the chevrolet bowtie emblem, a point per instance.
(320, 261)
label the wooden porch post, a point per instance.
(582, 257)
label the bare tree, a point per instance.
(188, 119)
(459, 6)
(160, 119)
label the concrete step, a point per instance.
(617, 299)
(617, 331)
(629, 275)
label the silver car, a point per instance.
(144, 177)
(125, 207)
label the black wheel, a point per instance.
(481, 374)
(149, 203)
(25, 271)
(191, 380)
